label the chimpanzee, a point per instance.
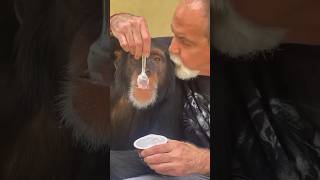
(133, 112)
(136, 112)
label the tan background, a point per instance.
(158, 13)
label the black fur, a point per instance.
(34, 145)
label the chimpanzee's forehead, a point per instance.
(161, 42)
(158, 51)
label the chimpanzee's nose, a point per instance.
(148, 72)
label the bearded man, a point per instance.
(267, 89)
(190, 51)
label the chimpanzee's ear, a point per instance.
(118, 56)
(118, 52)
(115, 44)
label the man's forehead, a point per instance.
(185, 23)
(185, 7)
(199, 6)
(190, 14)
(193, 4)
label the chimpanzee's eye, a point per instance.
(157, 58)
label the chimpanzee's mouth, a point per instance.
(147, 88)
(152, 84)
(142, 98)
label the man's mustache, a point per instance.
(182, 72)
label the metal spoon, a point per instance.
(143, 80)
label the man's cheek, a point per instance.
(184, 59)
(188, 61)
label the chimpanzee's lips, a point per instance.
(151, 86)
(143, 89)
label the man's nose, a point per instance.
(174, 48)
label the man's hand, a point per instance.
(177, 158)
(132, 33)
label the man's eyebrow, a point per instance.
(174, 32)
(185, 39)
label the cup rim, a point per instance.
(146, 136)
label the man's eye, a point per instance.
(186, 43)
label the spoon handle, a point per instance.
(144, 59)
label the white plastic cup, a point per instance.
(149, 141)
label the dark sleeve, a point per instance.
(221, 138)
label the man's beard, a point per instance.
(235, 36)
(182, 72)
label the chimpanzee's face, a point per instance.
(156, 69)
(159, 69)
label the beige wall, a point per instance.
(158, 13)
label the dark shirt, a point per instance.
(196, 111)
(272, 112)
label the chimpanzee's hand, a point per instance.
(132, 33)
(177, 158)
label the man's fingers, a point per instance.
(158, 149)
(138, 43)
(132, 33)
(123, 42)
(174, 141)
(130, 41)
(164, 168)
(158, 159)
(146, 39)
